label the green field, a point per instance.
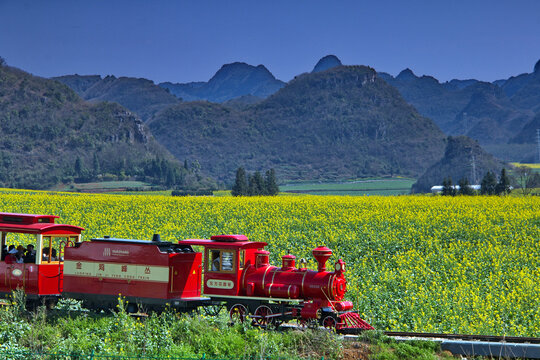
(372, 186)
(104, 186)
(535, 167)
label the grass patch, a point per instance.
(371, 186)
(72, 331)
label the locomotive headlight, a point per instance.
(340, 266)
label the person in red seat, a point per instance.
(10, 257)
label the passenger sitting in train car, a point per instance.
(10, 257)
(20, 254)
(46, 252)
(30, 256)
(45, 256)
(215, 260)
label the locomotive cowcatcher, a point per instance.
(230, 272)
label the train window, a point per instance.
(242, 257)
(220, 260)
(51, 246)
(228, 261)
(214, 260)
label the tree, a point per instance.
(503, 186)
(95, 165)
(448, 188)
(270, 183)
(489, 182)
(534, 181)
(2, 61)
(256, 184)
(170, 178)
(240, 187)
(78, 166)
(523, 179)
(464, 187)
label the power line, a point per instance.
(538, 143)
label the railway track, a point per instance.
(486, 338)
(501, 347)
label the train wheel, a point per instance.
(329, 322)
(132, 308)
(262, 316)
(238, 313)
(50, 303)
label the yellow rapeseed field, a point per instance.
(423, 263)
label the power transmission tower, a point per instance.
(473, 164)
(538, 143)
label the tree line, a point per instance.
(157, 171)
(525, 179)
(255, 184)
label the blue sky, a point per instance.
(183, 41)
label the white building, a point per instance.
(438, 188)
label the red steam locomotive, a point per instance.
(235, 273)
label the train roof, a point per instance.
(132, 241)
(227, 242)
(35, 224)
(162, 245)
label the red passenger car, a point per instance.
(41, 278)
(150, 274)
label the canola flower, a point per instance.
(422, 263)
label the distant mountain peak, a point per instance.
(456, 164)
(327, 62)
(230, 81)
(406, 74)
(242, 68)
(537, 67)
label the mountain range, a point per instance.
(344, 122)
(48, 135)
(492, 113)
(496, 114)
(139, 95)
(334, 122)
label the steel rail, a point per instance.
(487, 338)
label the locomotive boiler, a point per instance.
(323, 289)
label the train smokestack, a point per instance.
(322, 254)
(156, 238)
(288, 262)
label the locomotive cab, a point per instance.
(225, 259)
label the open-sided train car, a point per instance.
(41, 279)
